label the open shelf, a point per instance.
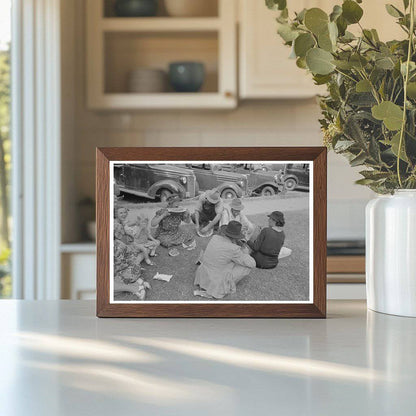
(127, 51)
(108, 9)
(116, 46)
(160, 24)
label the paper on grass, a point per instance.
(164, 277)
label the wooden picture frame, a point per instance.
(315, 307)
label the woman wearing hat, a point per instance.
(208, 211)
(224, 263)
(267, 246)
(167, 222)
(233, 212)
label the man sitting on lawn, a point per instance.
(208, 211)
(224, 263)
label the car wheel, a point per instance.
(165, 194)
(228, 194)
(268, 191)
(290, 184)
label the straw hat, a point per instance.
(213, 196)
(236, 204)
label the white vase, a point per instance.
(391, 253)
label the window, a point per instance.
(5, 159)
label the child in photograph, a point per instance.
(142, 238)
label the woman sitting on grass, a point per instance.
(168, 222)
(224, 263)
(127, 258)
(143, 240)
(266, 247)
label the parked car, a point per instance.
(261, 179)
(229, 184)
(155, 181)
(296, 176)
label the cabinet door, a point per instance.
(265, 68)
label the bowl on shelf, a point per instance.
(186, 76)
(136, 8)
(147, 80)
(191, 8)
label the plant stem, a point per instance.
(406, 80)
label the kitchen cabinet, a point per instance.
(265, 70)
(116, 46)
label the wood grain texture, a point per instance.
(346, 264)
(317, 309)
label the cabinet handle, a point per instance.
(228, 94)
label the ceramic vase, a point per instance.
(391, 253)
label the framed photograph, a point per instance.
(211, 232)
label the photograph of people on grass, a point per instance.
(235, 232)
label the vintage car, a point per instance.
(229, 184)
(155, 181)
(296, 176)
(261, 179)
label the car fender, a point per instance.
(274, 185)
(231, 185)
(170, 185)
(291, 176)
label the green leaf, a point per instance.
(343, 65)
(301, 63)
(385, 63)
(358, 61)
(286, 32)
(391, 114)
(394, 144)
(319, 61)
(303, 43)
(358, 160)
(406, 4)
(300, 17)
(393, 11)
(342, 25)
(351, 11)
(325, 42)
(336, 12)
(276, 4)
(343, 145)
(375, 35)
(411, 90)
(316, 20)
(364, 181)
(363, 86)
(321, 79)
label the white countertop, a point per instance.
(58, 359)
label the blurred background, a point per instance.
(100, 73)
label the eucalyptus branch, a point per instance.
(406, 80)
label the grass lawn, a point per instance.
(288, 281)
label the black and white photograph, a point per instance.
(211, 232)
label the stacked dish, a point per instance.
(147, 80)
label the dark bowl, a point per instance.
(186, 76)
(136, 8)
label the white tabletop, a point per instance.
(56, 358)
